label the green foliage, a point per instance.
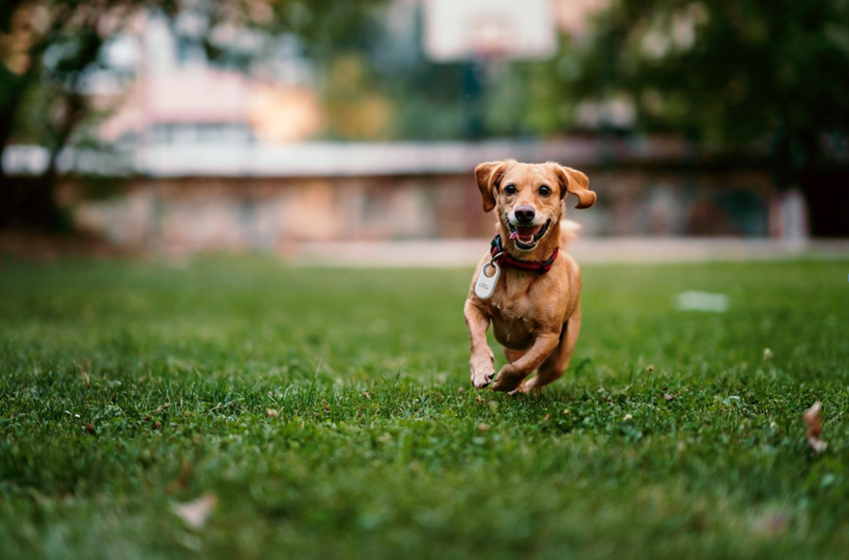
(731, 72)
(380, 447)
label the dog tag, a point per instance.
(485, 285)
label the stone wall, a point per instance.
(200, 214)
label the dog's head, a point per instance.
(529, 196)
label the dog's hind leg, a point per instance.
(555, 365)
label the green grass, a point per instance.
(377, 450)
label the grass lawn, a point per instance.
(129, 388)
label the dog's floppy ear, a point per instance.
(575, 182)
(488, 176)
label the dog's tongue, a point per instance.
(526, 234)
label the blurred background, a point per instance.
(347, 131)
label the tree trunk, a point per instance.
(7, 121)
(827, 194)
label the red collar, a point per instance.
(501, 257)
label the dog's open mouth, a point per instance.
(526, 238)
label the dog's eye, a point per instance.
(510, 189)
(544, 190)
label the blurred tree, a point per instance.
(45, 49)
(733, 74)
(48, 48)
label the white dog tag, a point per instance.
(485, 285)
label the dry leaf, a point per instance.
(813, 429)
(483, 427)
(195, 513)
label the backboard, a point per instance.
(460, 30)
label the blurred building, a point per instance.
(176, 97)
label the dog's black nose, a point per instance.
(525, 214)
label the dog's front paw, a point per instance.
(507, 380)
(482, 380)
(482, 371)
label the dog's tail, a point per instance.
(568, 231)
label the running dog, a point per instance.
(534, 302)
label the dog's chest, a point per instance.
(514, 323)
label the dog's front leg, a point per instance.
(482, 359)
(512, 375)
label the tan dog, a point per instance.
(534, 305)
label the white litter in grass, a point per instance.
(702, 301)
(194, 513)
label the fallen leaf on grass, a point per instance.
(483, 427)
(195, 513)
(813, 428)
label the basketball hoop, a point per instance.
(469, 30)
(489, 37)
